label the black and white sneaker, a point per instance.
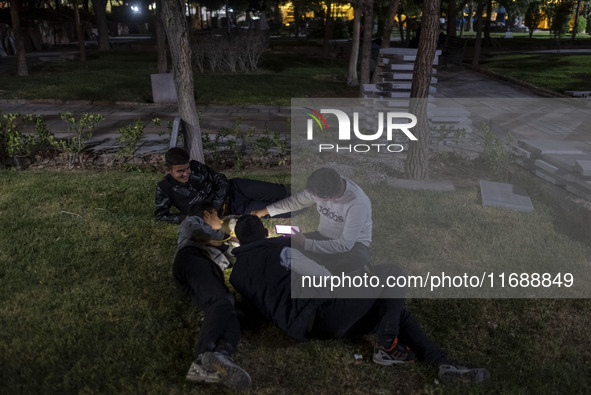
(231, 375)
(452, 374)
(396, 354)
(199, 374)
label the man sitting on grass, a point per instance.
(345, 228)
(263, 274)
(189, 182)
(198, 275)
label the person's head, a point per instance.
(177, 164)
(250, 228)
(325, 183)
(208, 213)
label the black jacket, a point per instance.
(204, 185)
(260, 278)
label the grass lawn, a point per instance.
(124, 75)
(87, 302)
(557, 72)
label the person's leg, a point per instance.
(198, 278)
(249, 195)
(202, 281)
(357, 258)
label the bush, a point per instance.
(238, 51)
(582, 27)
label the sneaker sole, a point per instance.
(231, 375)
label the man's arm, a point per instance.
(219, 182)
(290, 204)
(354, 220)
(162, 211)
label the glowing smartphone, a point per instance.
(286, 229)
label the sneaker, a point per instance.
(231, 375)
(396, 354)
(451, 374)
(199, 374)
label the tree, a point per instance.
(352, 79)
(100, 13)
(417, 161)
(366, 43)
(21, 63)
(389, 25)
(328, 26)
(576, 24)
(480, 5)
(452, 16)
(177, 33)
(79, 34)
(533, 16)
(160, 40)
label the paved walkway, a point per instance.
(452, 83)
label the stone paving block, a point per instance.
(429, 185)
(584, 184)
(546, 166)
(505, 195)
(549, 147)
(549, 177)
(163, 88)
(583, 167)
(565, 162)
(580, 192)
(518, 151)
(523, 163)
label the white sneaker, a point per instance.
(199, 374)
(231, 375)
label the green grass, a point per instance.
(557, 72)
(87, 302)
(124, 75)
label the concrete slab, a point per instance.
(580, 192)
(163, 89)
(518, 151)
(549, 147)
(565, 162)
(546, 166)
(428, 185)
(549, 177)
(583, 167)
(508, 196)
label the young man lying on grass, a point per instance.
(189, 182)
(198, 274)
(264, 272)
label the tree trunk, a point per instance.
(452, 16)
(79, 33)
(417, 162)
(470, 27)
(366, 44)
(21, 60)
(353, 79)
(100, 12)
(161, 40)
(177, 32)
(487, 39)
(478, 41)
(328, 29)
(392, 10)
(576, 25)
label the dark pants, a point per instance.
(248, 195)
(384, 315)
(355, 259)
(202, 281)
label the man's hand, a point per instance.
(298, 238)
(260, 213)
